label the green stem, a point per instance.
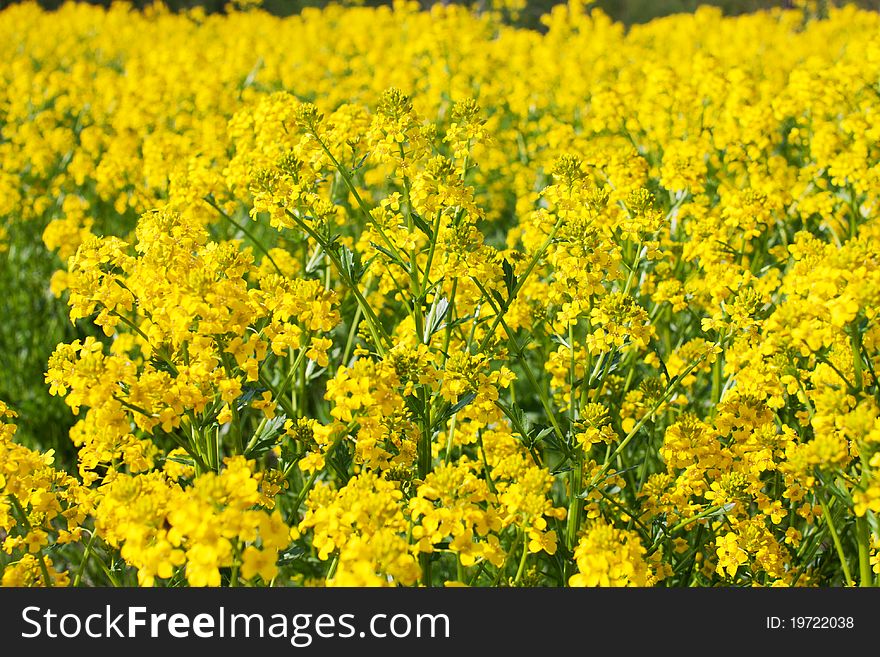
(257, 243)
(489, 482)
(352, 332)
(716, 379)
(236, 563)
(85, 559)
(684, 523)
(600, 383)
(866, 577)
(425, 455)
(314, 476)
(499, 317)
(416, 288)
(107, 571)
(572, 407)
(236, 416)
(450, 313)
(522, 559)
(331, 571)
(855, 339)
(863, 536)
(826, 513)
(632, 268)
(450, 433)
(47, 581)
(480, 568)
(431, 250)
(134, 327)
(539, 390)
(617, 505)
(346, 177)
(575, 503)
(425, 564)
(380, 337)
(663, 399)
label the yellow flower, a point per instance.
(258, 562)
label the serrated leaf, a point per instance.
(521, 418)
(518, 417)
(351, 263)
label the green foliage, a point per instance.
(27, 302)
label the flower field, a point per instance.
(392, 297)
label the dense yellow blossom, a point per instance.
(393, 297)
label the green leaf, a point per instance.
(521, 424)
(267, 438)
(391, 257)
(434, 321)
(422, 225)
(360, 162)
(351, 263)
(249, 391)
(315, 261)
(510, 279)
(454, 408)
(293, 553)
(182, 460)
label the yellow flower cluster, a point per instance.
(384, 296)
(610, 557)
(160, 526)
(364, 524)
(40, 506)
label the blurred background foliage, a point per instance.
(625, 11)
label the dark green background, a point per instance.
(627, 11)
